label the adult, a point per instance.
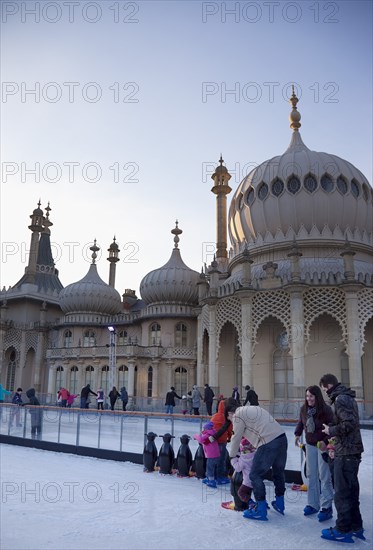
(113, 396)
(196, 400)
(84, 394)
(170, 400)
(63, 396)
(124, 397)
(268, 437)
(3, 392)
(251, 397)
(348, 446)
(17, 400)
(313, 414)
(36, 414)
(236, 395)
(208, 398)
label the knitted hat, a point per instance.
(208, 426)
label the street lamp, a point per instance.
(112, 357)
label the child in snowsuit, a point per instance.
(184, 404)
(243, 463)
(212, 453)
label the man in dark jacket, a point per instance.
(36, 414)
(124, 397)
(84, 396)
(251, 397)
(348, 448)
(170, 400)
(208, 399)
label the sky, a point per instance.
(116, 113)
(67, 501)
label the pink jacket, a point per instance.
(243, 463)
(212, 450)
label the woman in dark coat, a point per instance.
(113, 396)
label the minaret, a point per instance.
(36, 227)
(113, 259)
(221, 177)
(294, 116)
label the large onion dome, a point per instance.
(303, 195)
(91, 294)
(173, 283)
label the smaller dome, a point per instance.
(91, 294)
(174, 282)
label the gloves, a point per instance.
(211, 439)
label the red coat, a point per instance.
(219, 420)
(64, 394)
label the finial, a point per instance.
(176, 232)
(221, 160)
(94, 249)
(294, 116)
(39, 203)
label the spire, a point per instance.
(176, 232)
(94, 249)
(221, 189)
(294, 116)
(113, 258)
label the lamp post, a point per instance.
(112, 357)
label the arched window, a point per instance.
(277, 187)
(11, 372)
(123, 377)
(122, 338)
(327, 183)
(155, 334)
(74, 380)
(59, 378)
(355, 188)
(293, 185)
(105, 380)
(282, 369)
(89, 375)
(181, 334)
(67, 339)
(342, 185)
(150, 381)
(181, 381)
(250, 197)
(263, 191)
(89, 339)
(310, 183)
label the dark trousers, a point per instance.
(271, 455)
(346, 496)
(209, 407)
(36, 432)
(124, 405)
(196, 410)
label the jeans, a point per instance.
(83, 402)
(211, 467)
(169, 409)
(320, 489)
(346, 496)
(270, 455)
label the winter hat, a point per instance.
(247, 388)
(245, 446)
(172, 388)
(235, 388)
(208, 426)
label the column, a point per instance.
(51, 380)
(353, 341)
(200, 364)
(213, 367)
(131, 377)
(246, 341)
(155, 365)
(297, 341)
(169, 376)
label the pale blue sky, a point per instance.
(171, 136)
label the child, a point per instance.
(184, 404)
(189, 402)
(243, 463)
(100, 399)
(212, 453)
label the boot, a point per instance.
(259, 512)
(279, 505)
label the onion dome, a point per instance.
(173, 283)
(301, 194)
(91, 294)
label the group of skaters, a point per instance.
(258, 443)
(192, 402)
(15, 415)
(66, 399)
